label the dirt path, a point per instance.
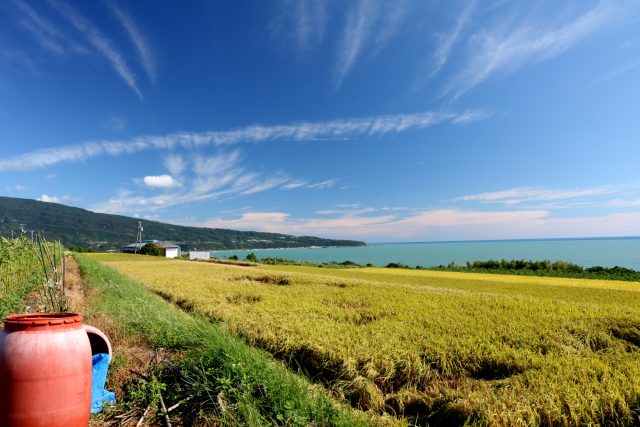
(129, 354)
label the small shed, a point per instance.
(172, 251)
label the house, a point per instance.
(170, 250)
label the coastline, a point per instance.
(435, 242)
(606, 252)
(282, 249)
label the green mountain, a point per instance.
(86, 229)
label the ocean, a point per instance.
(606, 252)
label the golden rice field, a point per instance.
(432, 347)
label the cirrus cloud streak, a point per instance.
(514, 196)
(298, 131)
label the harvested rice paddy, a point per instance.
(429, 347)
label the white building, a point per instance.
(204, 255)
(172, 251)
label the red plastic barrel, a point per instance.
(45, 371)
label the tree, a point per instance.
(151, 249)
(252, 257)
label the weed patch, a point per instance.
(267, 280)
(337, 285)
(491, 369)
(348, 304)
(628, 332)
(243, 298)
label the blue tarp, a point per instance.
(100, 396)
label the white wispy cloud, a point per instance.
(115, 123)
(390, 20)
(359, 23)
(423, 225)
(446, 44)
(204, 178)
(299, 131)
(303, 21)
(437, 224)
(268, 184)
(100, 42)
(138, 39)
(514, 196)
(160, 181)
(47, 34)
(499, 51)
(323, 185)
(369, 24)
(293, 185)
(175, 164)
(207, 166)
(624, 203)
(53, 199)
(346, 212)
(17, 187)
(365, 28)
(444, 48)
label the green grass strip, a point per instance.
(256, 389)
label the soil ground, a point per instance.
(130, 355)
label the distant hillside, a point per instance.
(86, 229)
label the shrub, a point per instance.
(396, 265)
(151, 249)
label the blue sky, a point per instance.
(368, 119)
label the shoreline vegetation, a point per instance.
(521, 267)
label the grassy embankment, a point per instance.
(233, 384)
(438, 347)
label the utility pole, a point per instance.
(138, 237)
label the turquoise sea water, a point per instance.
(607, 252)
